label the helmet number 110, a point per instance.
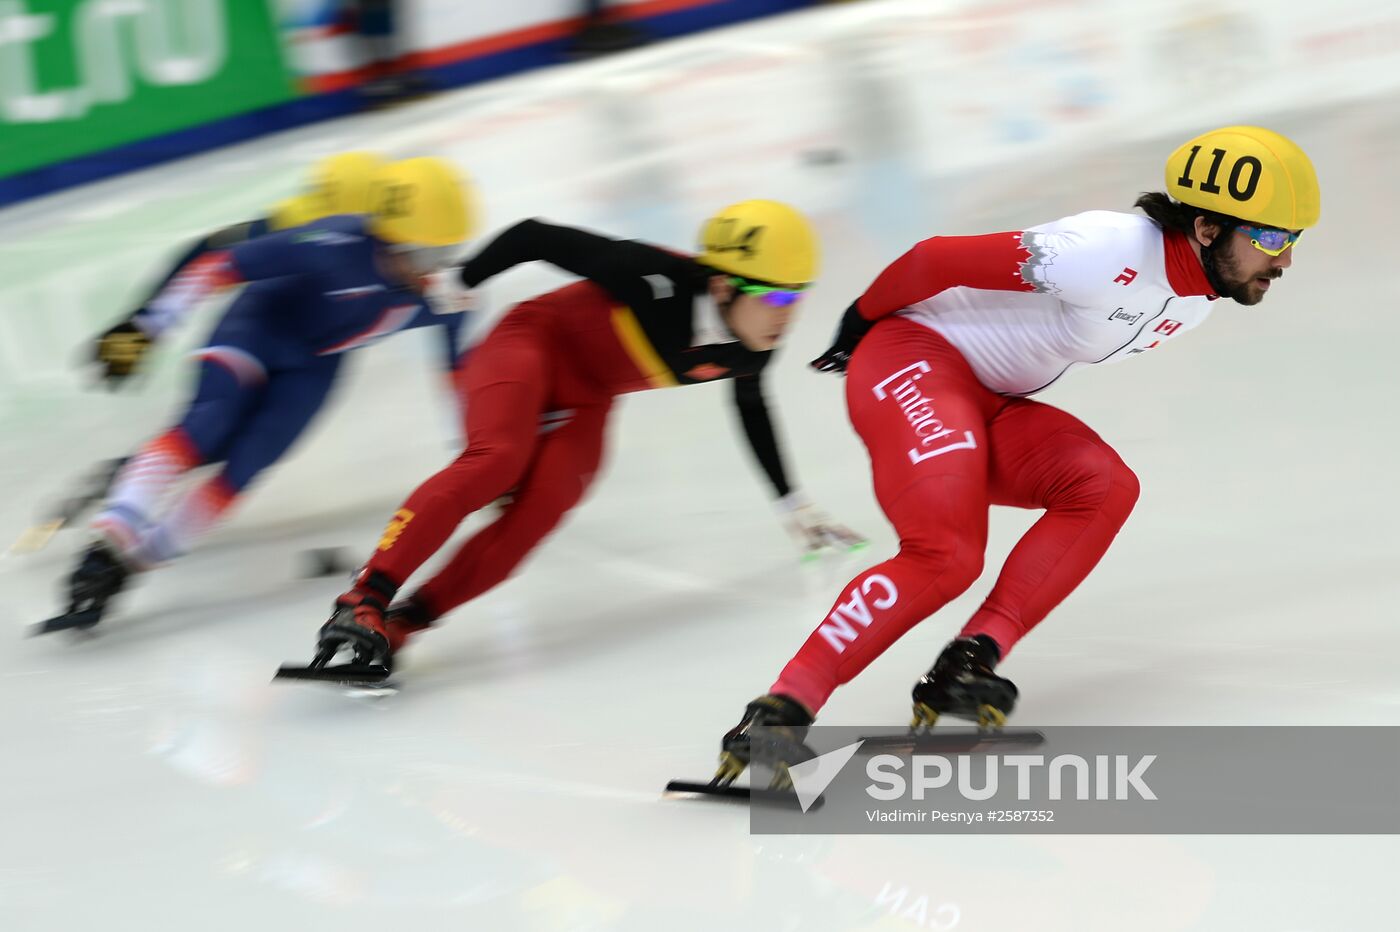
(1240, 192)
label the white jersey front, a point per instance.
(1026, 307)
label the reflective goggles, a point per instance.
(771, 295)
(1269, 240)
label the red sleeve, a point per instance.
(991, 262)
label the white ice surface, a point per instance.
(151, 778)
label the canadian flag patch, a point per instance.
(706, 370)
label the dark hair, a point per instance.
(1174, 215)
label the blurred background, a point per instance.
(151, 775)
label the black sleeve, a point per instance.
(219, 239)
(758, 427)
(609, 262)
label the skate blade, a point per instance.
(950, 741)
(37, 537)
(359, 678)
(717, 792)
(72, 621)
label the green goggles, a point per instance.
(772, 295)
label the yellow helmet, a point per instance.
(423, 202)
(761, 240)
(292, 212)
(1246, 172)
(339, 184)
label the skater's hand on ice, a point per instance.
(119, 352)
(812, 529)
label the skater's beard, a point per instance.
(1231, 279)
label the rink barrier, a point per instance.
(331, 95)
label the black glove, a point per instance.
(119, 351)
(838, 354)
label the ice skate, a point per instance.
(99, 576)
(364, 636)
(961, 683)
(786, 721)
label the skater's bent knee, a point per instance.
(493, 464)
(952, 564)
(1092, 475)
(1128, 486)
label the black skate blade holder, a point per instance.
(321, 670)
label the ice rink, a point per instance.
(152, 779)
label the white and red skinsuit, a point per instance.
(965, 327)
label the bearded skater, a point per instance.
(942, 354)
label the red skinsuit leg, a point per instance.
(923, 417)
(1042, 457)
(566, 460)
(1028, 455)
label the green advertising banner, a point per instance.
(79, 76)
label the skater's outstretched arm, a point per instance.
(811, 528)
(758, 429)
(217, 241)
(285, 254)
(609, 262)
(991, 262)
(1059, 263)
(120, 349)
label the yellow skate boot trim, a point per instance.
(730, 766)
(924, 717)
(989, 716)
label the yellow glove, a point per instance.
(120, 350)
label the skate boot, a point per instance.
(357, 625)
(962, 683)
(786, 720)
(364, 634)
(99, 576)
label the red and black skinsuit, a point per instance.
(538, 392)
